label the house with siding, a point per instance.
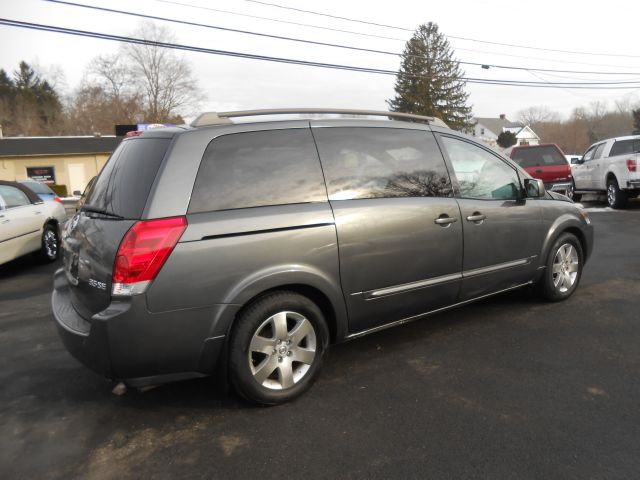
(487, 130)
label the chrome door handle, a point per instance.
(476, 217)
(37, 213)
(444, 220)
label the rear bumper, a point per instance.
(128, 342)
(633, 184)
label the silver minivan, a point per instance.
(248, 248)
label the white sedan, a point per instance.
(27, 224)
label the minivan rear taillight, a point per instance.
(632, 166)
(143, 251)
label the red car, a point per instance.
(548, 163)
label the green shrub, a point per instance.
(60, 190)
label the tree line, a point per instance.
(140, 83)
(585, 125)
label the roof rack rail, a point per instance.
(220, 118)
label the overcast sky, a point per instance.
(231, 83)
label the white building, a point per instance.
(488, 129)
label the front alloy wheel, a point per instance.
(563, 269)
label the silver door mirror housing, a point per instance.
(534, 187)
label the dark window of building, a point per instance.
(381, 163)
(252, 169)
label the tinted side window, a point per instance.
(381, 163)
(480, 173)
(123, 185)
(599, 150)
(12, 197)
(252, 169)
(621, 147)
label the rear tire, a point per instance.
(563, 269)
(50, 244)
(276, 348)
(616, 198)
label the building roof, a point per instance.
(24, 146)
(497, 124)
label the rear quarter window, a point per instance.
(254, 169)
(622, 147)
(538, 156)
(123, 185)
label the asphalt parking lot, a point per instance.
(506, 388)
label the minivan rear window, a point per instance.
(256, 169)
(538, 156)
(123, 185)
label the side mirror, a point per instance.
(577, 160)
(534, 187)
(77, 193)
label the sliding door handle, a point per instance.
(477, 217)
(445, 220)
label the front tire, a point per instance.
(616, 198)
(576, 197)
(50, 244)
(276, 348)
(563, 269)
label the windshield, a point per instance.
(538, 156)
(123, 185)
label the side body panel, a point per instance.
(395, 262)
(501, 251)
(229, 257)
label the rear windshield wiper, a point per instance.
(89, 209)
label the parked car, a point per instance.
(610, 166)
(28, 224)
(40, 189)
(548, 163)
(279, 238)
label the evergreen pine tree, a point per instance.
(429, 80)
(506, 139)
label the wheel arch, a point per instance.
(564, 224)
(316, 286)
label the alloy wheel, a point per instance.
(50, 242)
(282, 350)
(565, 267)
(611, 194)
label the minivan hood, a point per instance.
(559, 196)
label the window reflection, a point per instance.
(381, 163)
(481, 174)
(252, 169)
